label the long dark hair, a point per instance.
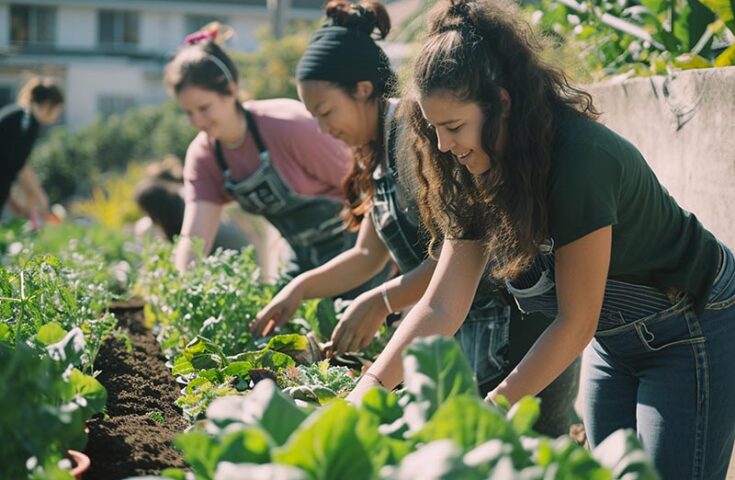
(160, 199)
(358, 185)
(472, 50)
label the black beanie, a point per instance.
(345, 55)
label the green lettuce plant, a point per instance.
(437, 428)
(44, 402)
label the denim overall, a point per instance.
(657, 367)
(484, 333)
(310, 224)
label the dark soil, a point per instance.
(128, 442)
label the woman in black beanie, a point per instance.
(345, 81)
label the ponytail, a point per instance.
(202, 63)
(40, 91)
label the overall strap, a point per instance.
(254, 130)
(389, 137)
(220, 157)
(250, 121)
(392, 143)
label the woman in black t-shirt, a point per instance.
(520, 178)
(40, 102)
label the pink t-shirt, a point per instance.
(310, 162)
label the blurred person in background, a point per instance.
(40, 103)
(161, 199)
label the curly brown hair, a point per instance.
(358, 185)
(472, 50)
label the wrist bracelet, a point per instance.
(375, 377)
(384, 293)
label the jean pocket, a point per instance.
(723, 292)
(722, 295)
(543, 285)
(722, 304)
(541, 297)
(662, 332)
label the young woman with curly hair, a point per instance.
(526, 186)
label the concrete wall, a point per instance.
(85, 83)
(684, 126)
(76, 27)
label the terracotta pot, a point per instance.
(81, 463)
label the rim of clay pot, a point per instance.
(81, 463)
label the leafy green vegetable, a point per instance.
(44, 403)
(435, 370)
(461, 437)
(327, 446)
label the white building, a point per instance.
(109, 55)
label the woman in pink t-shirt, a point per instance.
(268, 155)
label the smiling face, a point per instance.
(350, 118)
(458, 126)
(211, 112)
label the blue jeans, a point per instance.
(670, 376)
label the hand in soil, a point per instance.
(359, 324)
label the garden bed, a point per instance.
(128, 441)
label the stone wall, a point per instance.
(684, 125)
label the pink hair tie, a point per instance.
(196, 37)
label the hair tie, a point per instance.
(210, 35)
(196, 37)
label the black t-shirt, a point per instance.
(18, 132)
(597, 179)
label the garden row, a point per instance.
(259, 408)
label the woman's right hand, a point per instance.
(278, 311)
(360, 322)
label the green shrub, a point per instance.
(68, 163)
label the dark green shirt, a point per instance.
(597, 179)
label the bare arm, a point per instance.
(344, 272)
(349, 269)
(441, 310)
(407, 289)
(581, 273)
(366, 314)
(36, 198)
(201, 220)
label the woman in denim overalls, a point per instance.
(336, 98)
(513, 163)
(204, 80)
